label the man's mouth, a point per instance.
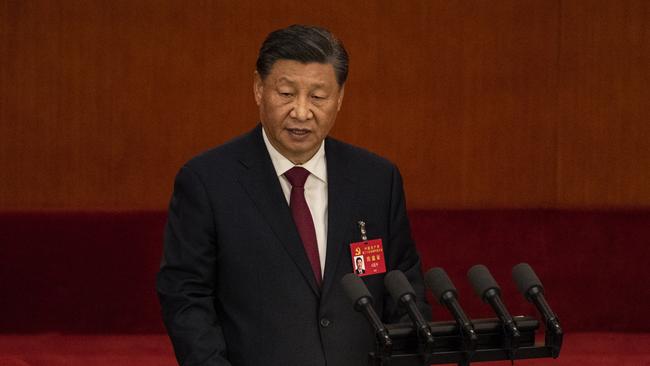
(298, 131)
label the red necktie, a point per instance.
(302, 217)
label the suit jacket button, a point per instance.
(325, 323)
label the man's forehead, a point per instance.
(291, 70)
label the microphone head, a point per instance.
(439, 283)
(355, 289)
(397, 285)
(525, 278)
(481, 279)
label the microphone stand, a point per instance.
(466, 333)
(511, 334)
(488, 341)
(384, 346)
(553, 334)
(383, 343)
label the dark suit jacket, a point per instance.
(235, 283)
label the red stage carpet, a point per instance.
(593, 349)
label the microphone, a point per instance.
(531, 287)
(403, 293)
(490, 292)
(358, 293)
(444, 291)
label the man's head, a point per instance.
(359, 262)
(305, 44)
(299, 87)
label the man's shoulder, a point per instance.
(227, 154)
(356, 156)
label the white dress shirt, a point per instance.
(315, 190)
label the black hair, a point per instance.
(305, 44)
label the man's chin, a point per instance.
(299, 146)
(300, 154)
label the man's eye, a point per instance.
(287, 95)
(318, 97)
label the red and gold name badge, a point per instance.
(367, 255)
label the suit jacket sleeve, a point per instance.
(186, 280)
(407, 260)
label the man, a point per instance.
(360, 269)
(259, 229)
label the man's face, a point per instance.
(358, 263)
(298, 105)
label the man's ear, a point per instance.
(258, 87)
(340, 101)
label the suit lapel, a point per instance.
(340, 226)
(260, 181)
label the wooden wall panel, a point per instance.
(604, 126)
(456, 90)
(482, 104)
(107, 99)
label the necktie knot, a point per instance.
(297, 176)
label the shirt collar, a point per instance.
(317, 165)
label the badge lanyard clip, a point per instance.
(362, 229)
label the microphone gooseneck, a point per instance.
(403, 293)
(488, 290)
(531, 287)
(362, 301)
(445, 292)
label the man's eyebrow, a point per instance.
(284, 78)
(318, 84)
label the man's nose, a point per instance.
(302, 109)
